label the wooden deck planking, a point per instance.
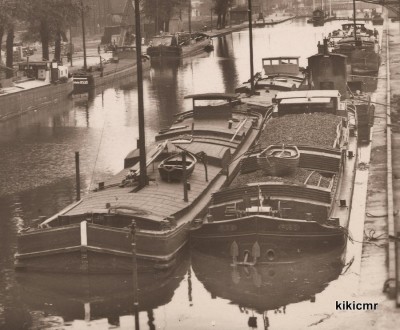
(210, 149)
(159, 198)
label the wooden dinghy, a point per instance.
(279, 160)
(171, 168)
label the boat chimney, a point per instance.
(320, 48)
(325, 49)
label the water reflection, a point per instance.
(227, 64)
(75, 301)
(164, 80)
(267, 287)
(27, 123)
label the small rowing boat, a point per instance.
(278, 160)
(173, 167)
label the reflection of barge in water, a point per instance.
(39, 85)
(269, 286)
(265, 218)
(95, 297)
(92, 235)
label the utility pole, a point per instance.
(83, 37)
(142, 143)
(251, 46)
(71, 51)
(190, 18)
(354, 22)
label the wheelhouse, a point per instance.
(309, 101)
(281, 65)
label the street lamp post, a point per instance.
(251, 46)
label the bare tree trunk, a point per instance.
(1, 39)
(57, 46)
(223, 20)
(9, 51)
(44, 37)
(219, 21)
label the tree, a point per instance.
(161, 11)
(48, 21)
(1, 39)
(10, 50)
(4, 19)
(221, 9)
(8, 17)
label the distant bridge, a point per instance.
(393, 5)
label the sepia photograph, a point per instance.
(199, 164)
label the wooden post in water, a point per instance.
(185, 192)
(77, 173)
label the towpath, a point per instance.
(370, 254)
(269, 20)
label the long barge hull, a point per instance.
(18, 103)
(89, 248)
(75, 244)
(85, 82)
(266, 239)
(177, 51)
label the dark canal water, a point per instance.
(37, 178)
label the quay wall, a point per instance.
(15, 104)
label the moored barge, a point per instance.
(179, 45)
(268, 218)
(264, 218)
(360, 45)
(123, 66)
(93, 235)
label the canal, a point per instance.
(38, 179)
